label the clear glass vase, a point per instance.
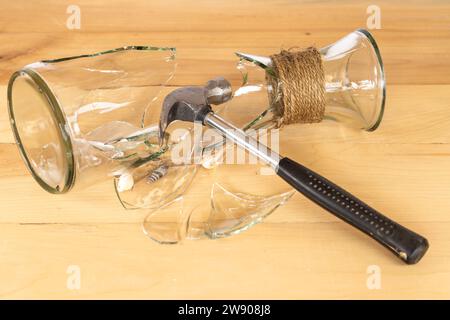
(83, 119)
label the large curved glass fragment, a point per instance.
(234, 212)
(223, 214)
(77, 119)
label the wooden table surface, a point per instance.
(300, 251)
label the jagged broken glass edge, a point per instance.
(124, 48)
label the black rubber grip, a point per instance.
(406, 244)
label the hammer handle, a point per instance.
(406, 244)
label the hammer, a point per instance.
(193, 104)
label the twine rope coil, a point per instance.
(298, 86)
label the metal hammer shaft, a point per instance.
(243, 140)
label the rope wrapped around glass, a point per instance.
(78, 120)
(347, 81)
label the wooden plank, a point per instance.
(399, 179)
(422, 57)
(300, 251)
(302, 260)
(234, 15)
(413, 114)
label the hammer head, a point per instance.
(193, 103)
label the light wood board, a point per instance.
(300, 251)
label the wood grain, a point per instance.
(300, 251)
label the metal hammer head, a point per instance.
(193, 103)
